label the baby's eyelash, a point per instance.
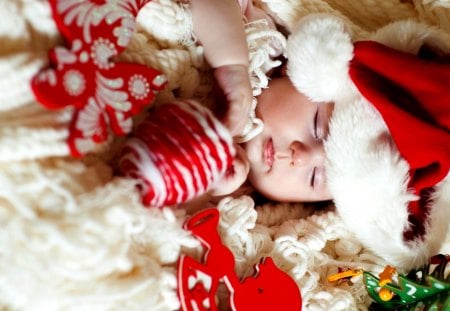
(315, 123)
(313, 176)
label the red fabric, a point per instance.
(413, 96)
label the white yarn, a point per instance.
(265, 45)
(38, 16)
(85, 241)
(31, 11)
(240, 233)
(15, 93)
(31, 132)
(436, 12)
(288, 13)
(22, 143)
(362, 16)
(168, 21)
(237, 215)
(274, 214)
(26, 25)
(28, 31)
(13, 23)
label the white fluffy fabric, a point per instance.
(368, 180)
(318, 52)
(74, 237)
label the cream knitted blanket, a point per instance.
(74, 237)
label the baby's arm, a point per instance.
(219, 27)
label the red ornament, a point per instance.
(270, 289)
(104, 93)
(177, 153)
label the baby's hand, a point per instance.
(234, 83)
(236, 175)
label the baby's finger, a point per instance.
(237, 116)
(234, 84)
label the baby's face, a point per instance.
(287, 158)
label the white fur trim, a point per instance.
(368, 179)
(318, 52)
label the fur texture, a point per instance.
(318, 51)
(368, 180)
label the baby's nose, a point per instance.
(303, 154)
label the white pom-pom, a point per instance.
(319, 51)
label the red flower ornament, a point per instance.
(104, 93)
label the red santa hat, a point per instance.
(412, 95)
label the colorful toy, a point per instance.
(177, 153)
(269, 289)
(104, 93)
(385, 278)
(423, 289)
(427, 288)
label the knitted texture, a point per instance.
(76, 238)
(435, 12)
(27, 130)
(363, 16)
(177, 153)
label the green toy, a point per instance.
(424, 289)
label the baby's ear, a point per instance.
(319, 51)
